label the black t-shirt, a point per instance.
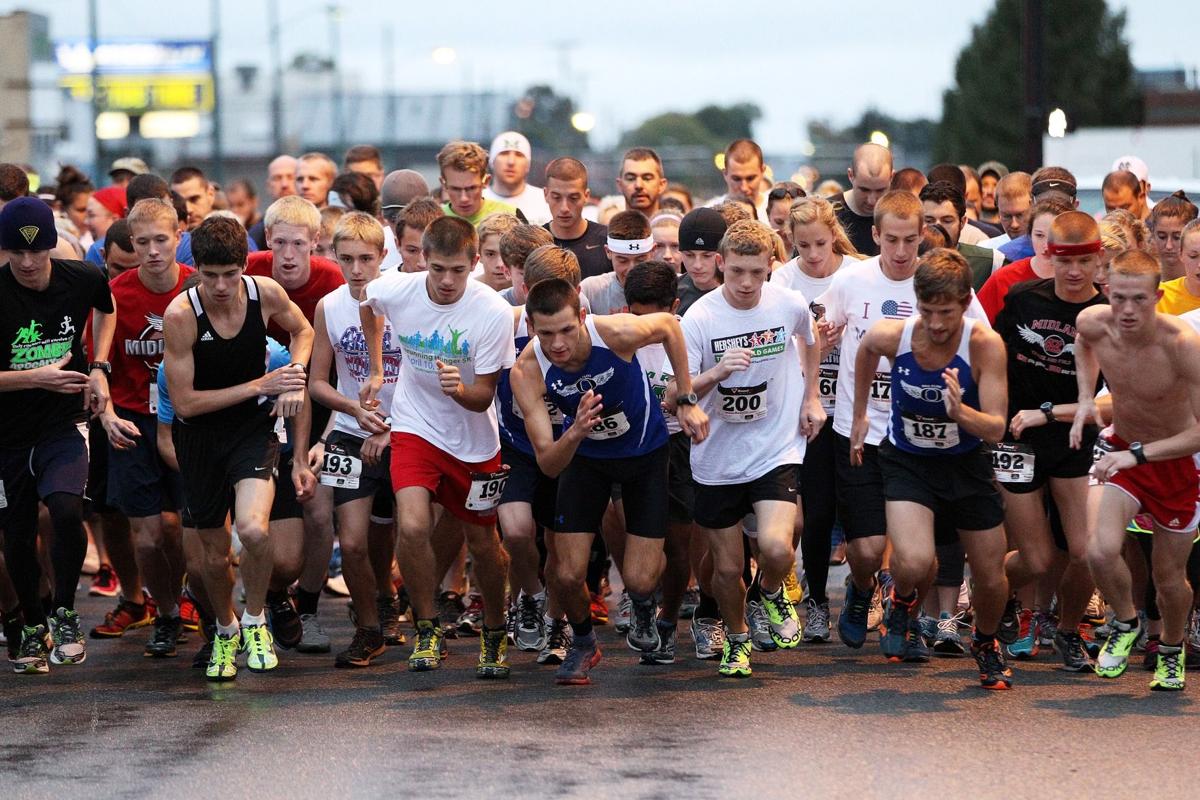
(1038, 329)
(589, 249)
(688, 293)
(856, 227)
(41, 327)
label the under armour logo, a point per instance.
(635, 246)
(29, 232)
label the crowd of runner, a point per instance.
(463, 405)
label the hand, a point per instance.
(952, 396)
(95, 395)
(283, 380)
(121, 432)
(1025, 419)
(1085, 412)
(373, 447)
(830, 336)
(368, 394)
(693, 421)
(736, 359)
(288, 404)
(303, 480)
(1111, 463)
(812, 419)
(858, 439)
(316, 457)
(371, 421)
(57, 378)
(450, 379)
(587, 415)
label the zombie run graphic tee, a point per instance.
(138, 347)
(36, 330)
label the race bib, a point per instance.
(1013, 462)
(486, 488)
(935, 434)
(280, 430)
(827, 385)
(610, 426)
(881, 390)
(1101, 448)
(341, 470)
(556, 415)
(742, 403)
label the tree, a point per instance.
(730, 122)
(712, 127)
(1088, 73)
(545, 117)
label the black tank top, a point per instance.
(221, 363)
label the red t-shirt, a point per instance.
(137, 348)
(995, 289)
(324, 277)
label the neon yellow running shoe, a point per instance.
(1114, 656)
(259, 645)
(1168, 675)
(735, 659)
(429, 649)
(222, 664)
(782, 619)
(792, 587)
(493, 654)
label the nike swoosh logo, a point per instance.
(259, 469)
(590, 246)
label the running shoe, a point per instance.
(164, 638)
(558, 641)
(366, 645)
(1094, 615)
(735, 657)
(529, 633)
(429, 649)
(389, 611)
(286, 627)
(994, 674)
(1010, 623)
(761, 637)
(470, 621)
(200, 659)
(709, 636)
(33, 657)
(69, 644)
(314, 639)
(916, 651)
(1114, 655)
(852, 622)
(792, 587)
(125, 617)
(691, 601)
(493, 654)
(105, 582)
(12, 633)
(893, 634)
(1026, 645)
(947, 641)
(599, 610)
(1070, 646)
(665, 652)
(782, 620)
(259, 646)
(816, 621)
(189, 612)
(581, 657)
(643, 631)
(928, 628)
(876, 612)
(222, 664)
(624, 613)
(1169, 673)
(1047, 626)
(1150, 654)
(449, 607)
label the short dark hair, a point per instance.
(518, 243)
(651, 283)
(418, 215)
(450, 236)
(743, 150)
(628, 224)
(119, 235)
(908, 179)
(942, 192)
(245, 185)
(641, 154)
(359, 190)
(950, 173)
(186, 174)
(14, 182)
(942, 274)
(567, 169)
(180, 204)
(551, 296)
(218, 242)
(362, 152)
(144, 186)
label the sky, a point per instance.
(628, 59)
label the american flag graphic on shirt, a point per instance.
(897, 310)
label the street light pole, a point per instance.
(1033, 57)
(218, 171)
(276, 75)
(93, 46)
(339, 97)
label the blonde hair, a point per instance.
(1189, 229)
(496, 225)
(1137, 263)
(1138, 234)
(151, 210)
(552, 261)
(463, 156)
(900, 204)
(359, 227)
(1113, 236)
(293, 210)
(809, 210)
(747, 238)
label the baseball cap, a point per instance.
(129, 164)
(994, 167)
(1134, 165)
(27, 224)
(401, 187)
(510, 140)
(701, 229)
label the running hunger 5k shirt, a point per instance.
(37, 329)
(859, 296)
(754, 415)
(474, 334)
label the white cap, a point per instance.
(510, 140)
(1132, 164)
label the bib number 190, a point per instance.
(486, 489)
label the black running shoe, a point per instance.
(204, 654)
(994, 674)
(389, 620)
(286, 627)
(366, 645)
(12, 634)
(163, 639)
(1010, 622)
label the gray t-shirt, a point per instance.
(604, 293)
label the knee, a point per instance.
(568, 574)
(411, 535)
(354, 548)
(726, 571)
(253, 534)
(777, 553)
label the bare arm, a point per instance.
(882, 339)
(166, 446)
(372, 327)
(280, 309)
(529, 389)
(988, 421)
(1087, 370)
(812, 413)
(476, 396)
(322, 390)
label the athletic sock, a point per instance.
(1125, 625)
(907, 600)
(983, 638)
(254, 619)
(306, 602)
(227, 630)
(583, 629)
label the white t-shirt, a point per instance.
(790, 276)
(604, 294)
(754, 415)
(391, 259)
(859, 296)
(653, 358)
(475, 334)
(351, 358)
(531, 200)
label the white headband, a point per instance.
(631, 247)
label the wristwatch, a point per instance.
(1047, 408)
(689, 399)
(1138, 453)
(103, 366)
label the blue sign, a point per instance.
(135, 57)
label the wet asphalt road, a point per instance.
(823, 721)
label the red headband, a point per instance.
(1080, 249)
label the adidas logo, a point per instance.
(207, 337)
(1174, 522)
(699, 240)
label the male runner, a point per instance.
(366, 159)
(750, 380)
(640, 181)
(515, 248)
(224, 433)
(511, 157)
(870, 174)
(567, 194)
(947, 398)
(629, 242)
(196, 191)
(456, 337)
(315, 173)
(464, 176)
(1148, 463)
(744, 173)
(410, 228)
